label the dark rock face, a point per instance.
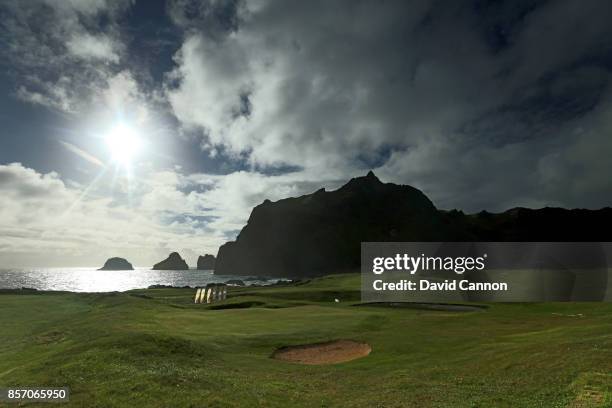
(206, 262)
(117, 264)
(544, 224)
(320, 233)
(173, 263)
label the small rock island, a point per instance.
(117, 264)
(206, 262)
(174, 262)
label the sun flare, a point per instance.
(124, 144)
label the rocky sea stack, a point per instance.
(206, 262)
(174, 262)
(117, 264)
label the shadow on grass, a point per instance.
(446, 307)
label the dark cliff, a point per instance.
(320, 233)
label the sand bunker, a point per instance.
(331, 352)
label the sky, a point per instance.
(135, 128)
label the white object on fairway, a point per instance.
(197, 296)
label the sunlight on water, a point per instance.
(92, 280)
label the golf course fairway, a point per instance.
(156, 348)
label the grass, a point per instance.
(156, 348)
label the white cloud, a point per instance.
(55, 95)
(88, 46)
(215, 77)
(122, 96)
(231, 197)
(44, 217)
(418, 90)
(315, 101)
(85, 7)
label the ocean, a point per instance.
(92, 280)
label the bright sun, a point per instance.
(123, 143)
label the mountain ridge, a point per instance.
(320, 233)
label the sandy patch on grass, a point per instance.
(331, 352)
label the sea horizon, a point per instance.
(91, 279)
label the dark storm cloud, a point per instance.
(212, 18)
(483, 104)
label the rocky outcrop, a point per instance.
(543, 224)
(321, 233)
(116, 264)
(174, 262)
(236, 282)
(206, 262)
